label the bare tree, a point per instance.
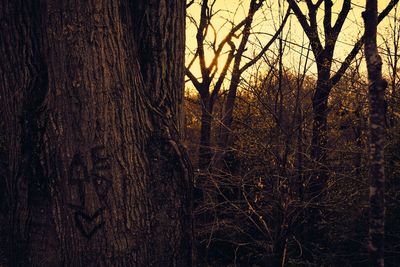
(323, 50)
(211, 79)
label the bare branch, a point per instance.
(227, 39)
(221, 78)
(193, 79)
(311, 28)
(200, 38)
(346, 63)
(189, 4)
(193, 59)
(254, 6)
(300, 16)
(267, 46)
(387, 10)
(341, 18)
(328, 18)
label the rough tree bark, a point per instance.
(376, 89)
(94, 170)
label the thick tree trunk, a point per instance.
(22, 89)
(95, 171)
(377, 87)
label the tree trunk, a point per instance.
(318, 147)
(95, 171)
(225, 134)
(316, 186)
(376, 88)
(205, 152)
(22, 89)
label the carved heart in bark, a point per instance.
(88, 224)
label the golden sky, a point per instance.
(265, 23)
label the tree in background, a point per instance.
(323, 50)
(391, 43)
(391, 54)
(211, 80)
(93, 170)
(377, 121)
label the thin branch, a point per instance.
(193, 79)
(300, 16)
(222, 76)
(341, 18)
(266, 47)
(227, 39)
(311, 29)
(189, 4)
(346, 63)
(193, 59)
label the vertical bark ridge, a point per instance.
(24, 88)
(101, 197)
(93, 159)
(170, 187)
(376, 89)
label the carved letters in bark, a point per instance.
(88, 197)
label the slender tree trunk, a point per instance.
(96, 172)
(205, 151)
(318, 152)
(319, 135)
(225, 134)
(227, 117)
(315, 189)
(358, 131)
(377, 87)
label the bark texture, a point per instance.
(377, 86)
(95, 172)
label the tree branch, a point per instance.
(222, 76)
(328, 19)
(311, 29)
(341, 18)
(200, 38)
(346, 63)
(266, 47)
(193, 79)
(300, 16)
(226, 40)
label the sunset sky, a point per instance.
(268, 20)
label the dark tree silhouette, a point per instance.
(324, 53)
(210, 85)
(376, 88)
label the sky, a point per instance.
(268, 20)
